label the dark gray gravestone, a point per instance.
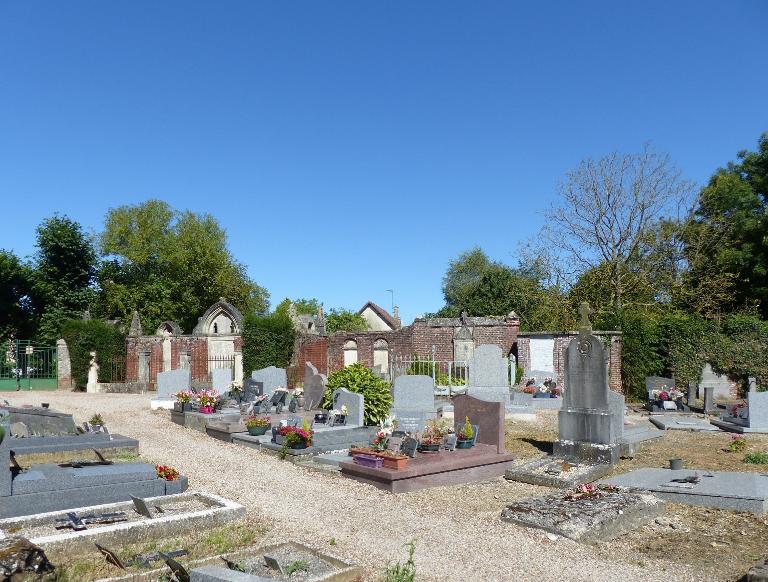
(272, 378)
(486, 416)
(394, 443)
(273, 564)
(590, 419)
(251, 389)
(449, 442)
(409, 447)
(414, 402)
(709, 398)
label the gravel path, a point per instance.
(458, 531)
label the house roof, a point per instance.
(382, 313)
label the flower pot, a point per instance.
(258, 430)
(182, 406)
(372, 461)
(433, 448)
(396, 464)
(205, 409)
(299, 446)
(676, 464)
(464, 444)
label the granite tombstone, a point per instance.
(488, 376)
(414, 402)
(314, 387)
(173, 381)
(355, 404)
(271, 378)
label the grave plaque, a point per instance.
(141, 507)
(409, 447)
(252, 389)
(449, 442)
(314, 387)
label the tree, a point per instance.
(605, 210)
(344, 320)
(64, 269)
(727, 238)
(463, 274)
(16, 315)
(305, 306)
(170, 265)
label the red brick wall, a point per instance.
(400, 345)
(312, 349)
(197, 347)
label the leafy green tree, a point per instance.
(64, 269)
(305, 306)
(344, 320)
(361, 380)
(463, 274)
(170, 265)
(16, 314)
(727, 242)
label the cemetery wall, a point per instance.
(399, 342)
(562, 339)
(312, 349)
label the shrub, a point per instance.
(359, 379)
(267, 341)
(759, 458)
(84, 337)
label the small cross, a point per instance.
(585, 311)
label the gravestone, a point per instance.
(487, 415)
(719, 382)
(42, 421)
(658, 383)
(272, 378)
(591, 419)
(251, 389)
(750, 418)
(414, 402)
(488, 376)
(221, 379)
(173, 381)
(314, 387)
(540, 375)
(355, 404)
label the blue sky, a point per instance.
(353, 147)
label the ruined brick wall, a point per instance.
(399, 342)
(312, 349)
(195, 346)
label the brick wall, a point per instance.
(399, 342)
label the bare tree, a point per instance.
(605, 209)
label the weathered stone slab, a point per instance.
(272, 378)
(173, 381)
(676, 421)
(41, 421)
(588, 520)
(719, 489)
(551, 472)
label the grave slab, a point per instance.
(588, 520)
(681, 422)
(719, 489)
(551, 472)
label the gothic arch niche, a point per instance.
(350, 353)
(221, 318)
(381, 357)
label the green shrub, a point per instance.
(403, 572)
(359, 379)
(84, 337)
(267, 341)
(759, 458)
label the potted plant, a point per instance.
(393, 460)
(529, 390)
(295, 437)
(258, 425)
(465, 436)
(166, 473)
(432, 437)
(96, 422)
(183, 401)
(207, 400)
(236, 392)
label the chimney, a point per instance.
(396, 315)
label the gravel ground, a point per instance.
(458, 530)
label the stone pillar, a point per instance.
(709, 397)
(238, 368)
(752, 384)
(93, 375)
(63, 365)
(692, 390)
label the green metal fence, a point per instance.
(26, 366)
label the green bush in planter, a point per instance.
(359, 379)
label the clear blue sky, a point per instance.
(354, 147)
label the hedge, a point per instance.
(268, 340)
(84, 337)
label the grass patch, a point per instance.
(757, 458)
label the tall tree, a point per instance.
(64, 269)
(344, 320)
(305, 306)
(462, 274)
(727, 242)
(170, 265)
(605, 209)
(16, 315)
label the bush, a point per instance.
(84, 337)
(759, 458)
(267, 341)
(359, 379)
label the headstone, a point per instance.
(19, 430)
(709, 398)
(272, 378)
(221, 379)
(394, 443)
(409, 447)
(251, 389)
(355, 404)
(141, 507)
(591, 419)
(414, 402)
(693, 388)
(754, 415)
(487, 415)
(488, 376)
(314, 387)
(658, 383)
(173, 381)
(720, 382)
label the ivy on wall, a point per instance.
(84, 337)
(267, 341)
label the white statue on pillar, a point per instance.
(93, 375)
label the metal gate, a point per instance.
(26, 366)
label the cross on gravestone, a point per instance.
(585, 326)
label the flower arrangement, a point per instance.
(298, 392)
(556, 391)
(466, 433)
(663, 395)
(736, 407)
(257, 421)
(167, 473)
(529, 389)
(235, 388)
(296, 437)
(206, 400)
(184, 396)
(96, 420)
(738, 443)
(589, 491)
(434, 432)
